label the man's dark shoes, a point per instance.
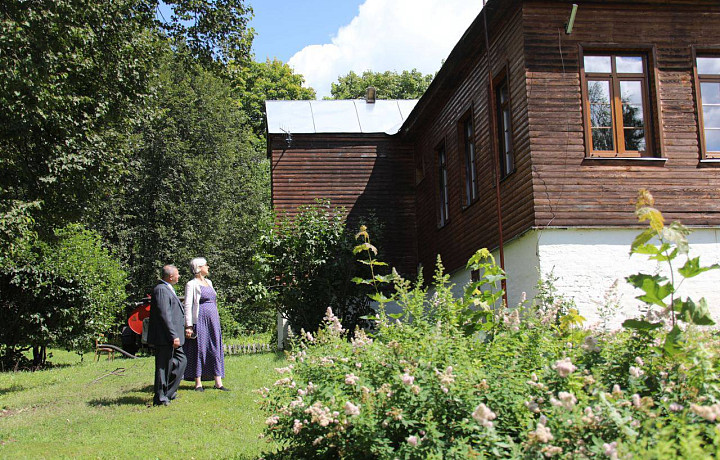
(199, 389)
(162, 403)
(221, 388)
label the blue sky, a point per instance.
(285, 27)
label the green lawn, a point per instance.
(80, 410)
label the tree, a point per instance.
(196, 187)
(72, 72)
(257, 82)
(213, 31)
(389, 85)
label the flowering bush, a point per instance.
(453, 378)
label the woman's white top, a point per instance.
(192, 300)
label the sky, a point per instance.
(324, 39)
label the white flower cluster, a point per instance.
(483, 415)
(567, 400)
(709, 413)
(564, 367)
(334, 322)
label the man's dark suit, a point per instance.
(167, 320)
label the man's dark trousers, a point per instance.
(169, 368)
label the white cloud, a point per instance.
(392, 35)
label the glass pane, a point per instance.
(506, 120)
(712, 140)
(629, 64)
(632, 104)
(599, 91)
(711, 116)
(602, 139)
(631, 92)
(502, 94)
(635, 139)
(708, 65)
(600, 64)
(710, 93)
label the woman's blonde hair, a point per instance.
(196, 263)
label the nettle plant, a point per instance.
(666, 243)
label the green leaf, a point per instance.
(379, 297)
(640, 325)
(692, 268)
(654, 291)
(672, 341)
(641, 239)
(696, 314)
(358, 280)
(650, 249)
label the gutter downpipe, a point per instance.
(496, 160)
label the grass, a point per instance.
(84, 410)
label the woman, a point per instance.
(202, 322)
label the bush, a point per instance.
(308, 266)
(70, 295)
(454, 378)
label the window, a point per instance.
(443, 182)
(504, 116)
(468, 139)
(708, 72)
(616, 99)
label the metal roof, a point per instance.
(345, 116)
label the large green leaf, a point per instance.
(654, 291)
(696, 314)
(641, 240)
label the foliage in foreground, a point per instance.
(454, 378)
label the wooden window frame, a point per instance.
(697, 79)
(443, 203)
(651, 114)
(470, 171)
(499, 81)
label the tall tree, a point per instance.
(73, 71)
(196, 186)
(389, 85)
(256, 82)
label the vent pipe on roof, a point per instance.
(370, 95)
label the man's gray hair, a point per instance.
(168, 270)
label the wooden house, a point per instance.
(532, 141)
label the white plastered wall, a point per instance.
(590, 266)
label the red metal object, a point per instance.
(142, 311)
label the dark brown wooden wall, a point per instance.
(365, 174)
(476, 226)
(571, 190)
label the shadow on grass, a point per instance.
(120, 401)
(11, 389)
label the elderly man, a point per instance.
(165, 331)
